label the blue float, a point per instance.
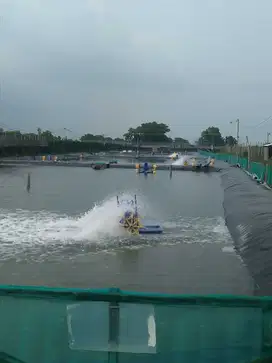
(146, 168)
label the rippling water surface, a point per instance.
(65, 232)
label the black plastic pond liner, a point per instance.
(248, 214)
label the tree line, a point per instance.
(146, 132)
(213, 137)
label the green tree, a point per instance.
(99, 137)
(118, 139)
(91, 137)
(48, 135)
(230, 140)
(87, 137)
(108, 139)
(211, 136)
(148, 132)
(130, 135)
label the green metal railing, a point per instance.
(54, 325)
(263, 172)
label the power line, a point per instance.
(262, 122)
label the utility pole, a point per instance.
(66, 132)
(268, 134)
(138, 145)
(237, 137)
(237, 130)
(248, 154)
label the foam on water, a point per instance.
(182, 159)
(23, 229)
(198, 230)
(45, 233)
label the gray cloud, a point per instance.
(103, 66)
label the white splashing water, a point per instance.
(182, 160)
(24, 229)
(199, 230)
(43, 233)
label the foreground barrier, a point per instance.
(40, 324)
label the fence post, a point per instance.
(268, 177)
(248, 158)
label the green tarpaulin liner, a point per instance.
(51, 325)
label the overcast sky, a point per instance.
(101, 66)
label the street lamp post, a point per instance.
(237, 129)
(237, 137)
(248, 153)
(268, 134)
(138, 145)
(66, 132)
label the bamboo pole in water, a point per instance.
(28, 182)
